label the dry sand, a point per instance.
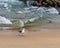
(43, 36)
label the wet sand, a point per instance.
(43, 36)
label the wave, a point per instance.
(23, 15)
(3, 20)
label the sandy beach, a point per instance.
(43, 36)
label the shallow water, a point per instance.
(20, 14)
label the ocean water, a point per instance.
(18, 13)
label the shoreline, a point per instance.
(43, 36)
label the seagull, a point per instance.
(22, 31)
